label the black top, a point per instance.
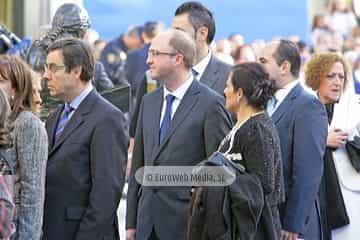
(332, 205)
(258, 143)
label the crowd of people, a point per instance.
(280, 112)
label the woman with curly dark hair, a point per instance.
(252, 145)
(248, 90)
(30, 148)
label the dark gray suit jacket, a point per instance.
(216, 74)
(197, 128)
(301, 122)
(85, 172)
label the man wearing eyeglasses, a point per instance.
(198, 22)
(180, 124)
(87, 150)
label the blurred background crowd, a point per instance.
(315, 26)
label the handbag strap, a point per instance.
(232, 133)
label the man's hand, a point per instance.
(336, 138)
(285, 235)
(130, 234)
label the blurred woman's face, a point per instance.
(332, 85)
(231, 96)
(320, 21)
(340, 5)
(36, 94)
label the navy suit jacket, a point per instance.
(214, 76)
(196, 130)
(85, 172)
(301, 122)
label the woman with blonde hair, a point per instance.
(327, 74)
(7, 206)
(30, 148)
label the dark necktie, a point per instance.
(65, 117)
(165, 124)
(194, 73)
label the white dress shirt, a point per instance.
(200, 66)
(281, 94)
(178, 94)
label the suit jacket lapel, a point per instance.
(189, 100)
(76, 120)
(286, 104)
(209, 76)
(51, 126)
(154, 117)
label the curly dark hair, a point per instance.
(254, 81)
(319, 66)
(5, 127)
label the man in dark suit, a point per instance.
(180, 124)
(197, 21)
(87, 150)
(301, 122)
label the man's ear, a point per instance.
(77, 71)
(179, 58)
(285, 67)
(202, 33)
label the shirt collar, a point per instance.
(180, 91)
(77, 100)
(283, 92)
(200, 66)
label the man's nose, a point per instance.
(46, 75)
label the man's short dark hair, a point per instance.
(199, 16)
(288, 51)
(76, 53)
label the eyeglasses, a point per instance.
(155, 53)
(53, 67)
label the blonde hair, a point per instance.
(5, 137)
(35, 77)
(320, 65)
(16, 71)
